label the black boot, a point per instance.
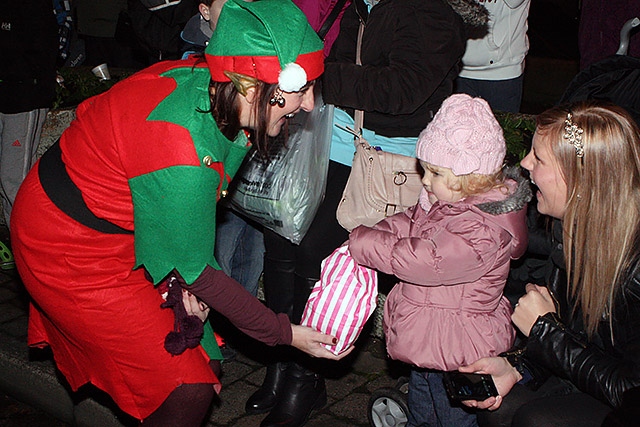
(303, 391)
(265, 398)
(278, 288)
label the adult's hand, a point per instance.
(504, 376)
(535, 303)
(310, 341)
(194, 306)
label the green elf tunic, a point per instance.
(148, 157)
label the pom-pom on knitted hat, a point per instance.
(464, 136)
(270, 40)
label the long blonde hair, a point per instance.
(602, 217)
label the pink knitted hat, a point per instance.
(464, 136)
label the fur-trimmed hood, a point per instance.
(517, 200)
(509, 212)
(474, 15)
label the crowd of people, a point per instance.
(124, 217)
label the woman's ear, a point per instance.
(204, 11)
(246, 103)
(251, 94)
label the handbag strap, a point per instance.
(358, 116)
(331, 18)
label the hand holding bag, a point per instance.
(380, 184)
(342, 300)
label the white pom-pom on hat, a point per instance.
(292, 77)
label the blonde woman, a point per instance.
(583, 347)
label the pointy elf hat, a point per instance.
(270, 40)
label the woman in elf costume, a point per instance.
(127, 200)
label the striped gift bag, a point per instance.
(342, 300)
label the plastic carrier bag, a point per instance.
(342, 300)
(284, 193)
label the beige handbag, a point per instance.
(380, 184)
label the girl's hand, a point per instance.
(310, 341)
(504, 376)
(194, 306)
(535, 303)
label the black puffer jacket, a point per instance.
(411, 51)
(604, 366)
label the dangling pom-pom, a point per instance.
(192, 329)
(292, 77)
(175, 343)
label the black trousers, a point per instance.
(324, 236)
(556, 403)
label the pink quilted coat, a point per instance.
(448, 309)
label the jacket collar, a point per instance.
(515, 201)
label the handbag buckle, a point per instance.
(390, 209)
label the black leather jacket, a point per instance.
(604, 366)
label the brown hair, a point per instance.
(603, 188)
(226, 112)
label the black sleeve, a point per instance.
(605, 375)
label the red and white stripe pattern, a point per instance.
(342, 300)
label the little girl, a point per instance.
(451, 252)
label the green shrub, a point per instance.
(79, 83)
(518, 131)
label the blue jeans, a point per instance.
(502, 95)
(239, 249)
(429, 405)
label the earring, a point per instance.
(277, 98)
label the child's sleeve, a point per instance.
(449, 256)
(372, 246)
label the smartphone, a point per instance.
(462, 386)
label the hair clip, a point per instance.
(573, 134)
(277, 98)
